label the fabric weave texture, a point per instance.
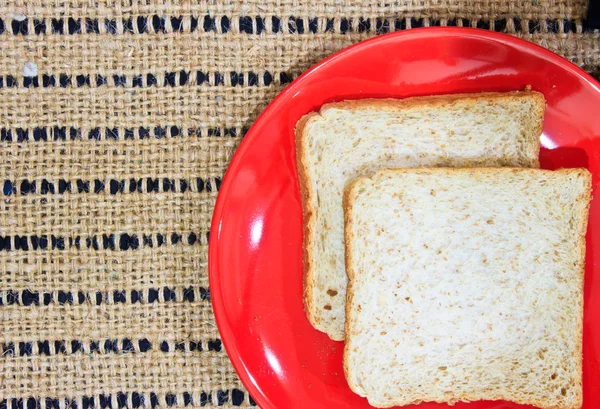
(118, 119)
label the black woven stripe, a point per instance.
(110, 186)
(120, 400)
(121, 241)
(168, 79)
(63, 133)
(146, 296)
(593, 16)
(105, 346)
(256, 25)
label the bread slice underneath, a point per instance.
(466, 284)
(354, 138)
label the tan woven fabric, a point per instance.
(117, 121)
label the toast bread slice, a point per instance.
(466, 284)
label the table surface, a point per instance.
(118, 119)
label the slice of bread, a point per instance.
(466, 284)
(349, 139)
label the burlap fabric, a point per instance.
(117, 121)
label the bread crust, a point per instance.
(348, 201)
(478, 170)
(307, 195)
(350, 196)
(393, 104)
(586, 196)
(539, 120)
(307, 212)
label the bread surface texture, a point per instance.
(355, 138)
(466, 284)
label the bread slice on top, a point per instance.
(355, 138)
(466, 284)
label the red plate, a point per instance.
(255, 247)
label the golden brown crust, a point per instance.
(307, 212)
(430, 101)
(477, 170)
(586, 198)
(347, 202)
(539, 121)
(472, 398)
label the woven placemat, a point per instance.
(117, 121)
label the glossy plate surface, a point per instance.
(256, 236)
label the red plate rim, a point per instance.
(236, 162)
